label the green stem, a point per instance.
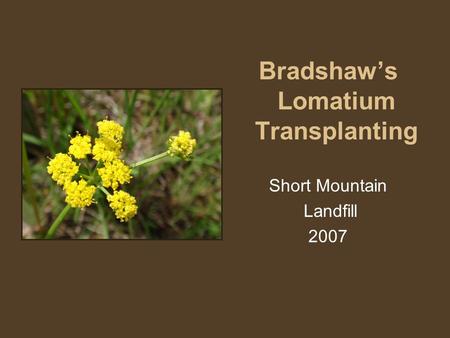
(92, 174)
(57, 222)
(104, 190)
(150, 159)
(86, 165)
(96, 166)
(103, 221)
(130, 229)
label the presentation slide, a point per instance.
(219, 169)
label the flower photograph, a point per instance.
(121, 164)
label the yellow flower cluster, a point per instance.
(109, 145)
(123, 204)
(80, 146)
(62, 168)
(181, 145)
(112, 170)
(79, 194)
(115, 172)
(110, 130)
(107, 149)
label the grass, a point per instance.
(176, 199)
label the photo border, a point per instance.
(22, 89)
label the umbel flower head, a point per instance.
(111, 170)
(79, 194)
(80, 146)
(62, 168)
(114, 173)
(123, 204)
(109, 145)
(181, 145)
(110, 130)
(81, 183)
(105, 150)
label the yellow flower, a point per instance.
(79, 194)
(80, 146)
(115, 172)
(123, 204)
(109, 145)
(181, 145)
(105, 150)
(62, 168)
(110, 130)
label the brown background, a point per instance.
(390, 278)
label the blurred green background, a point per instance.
(176, 199)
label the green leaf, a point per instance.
(28, 138)
(28, 214)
